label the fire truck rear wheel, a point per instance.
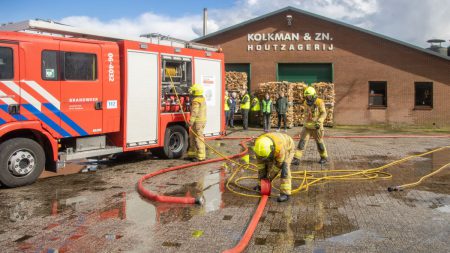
(22, 161)
(175, 143)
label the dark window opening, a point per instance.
(49, 67)
(377, 94)
(423, 94)
(80, 66)
(6, 63)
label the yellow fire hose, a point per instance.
(307, 177)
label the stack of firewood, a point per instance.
(274, 89)
(294, 93)
(236, 81)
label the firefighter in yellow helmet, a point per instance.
(313, 126)
(197, 150)
(274, 153)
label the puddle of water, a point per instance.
(354, 236)
(443, 209)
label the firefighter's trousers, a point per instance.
(271, 171)
(317, 134)
(196, 144)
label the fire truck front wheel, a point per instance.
(175, 143)
(22, 161)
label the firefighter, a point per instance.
(313, 125)
(274, 153)
(245, 107)
(255, 110)
(197, 151)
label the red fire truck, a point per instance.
(68, 94)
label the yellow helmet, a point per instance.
(196, 89)
(263, 147)
(310, 91)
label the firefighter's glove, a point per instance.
(318, 125)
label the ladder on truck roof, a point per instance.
(48, 27)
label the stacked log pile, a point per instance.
(236, 81)
(294, 93)
(274, 89)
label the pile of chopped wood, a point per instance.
(294, 93)
(236, 81)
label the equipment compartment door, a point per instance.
(142, 98)
(208, 74)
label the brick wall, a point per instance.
(357, 59)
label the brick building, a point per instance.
(378, 80)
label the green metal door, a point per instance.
(239, 67)
(305, 72)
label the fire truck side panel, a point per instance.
(81, 88)
(142, 98)
(41, 86)
(9, 76)
(111, 88)
(208, 73)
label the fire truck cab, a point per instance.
(68, 94)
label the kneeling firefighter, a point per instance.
(274, 153)
(313, 125)
(197, 122)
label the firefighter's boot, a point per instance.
(323, 160)
(295, 161)
(283, 198)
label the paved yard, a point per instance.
(102, 212)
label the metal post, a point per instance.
(205, 20)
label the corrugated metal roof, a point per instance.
(290, 8)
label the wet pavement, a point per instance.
(100, 211)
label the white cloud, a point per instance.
(413, 21)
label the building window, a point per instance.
(80, 66)
(377, 94)
(423, 95)
(49, 67)
(6, 63)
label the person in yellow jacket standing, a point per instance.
(274, 153)
(313, 126)
(197, 122)
(255, 110)
(245, 108)
(226, 109)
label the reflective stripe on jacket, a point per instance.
(255, 105)
(266, 106)
(245, 102)
(198, 110)
(226, 106)
(315, 113)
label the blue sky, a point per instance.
(18, 10)
(412, 21)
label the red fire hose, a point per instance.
(353, 137)
(265, 192)
(265, 184)
(182, 200)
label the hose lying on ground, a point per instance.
(308, 178)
